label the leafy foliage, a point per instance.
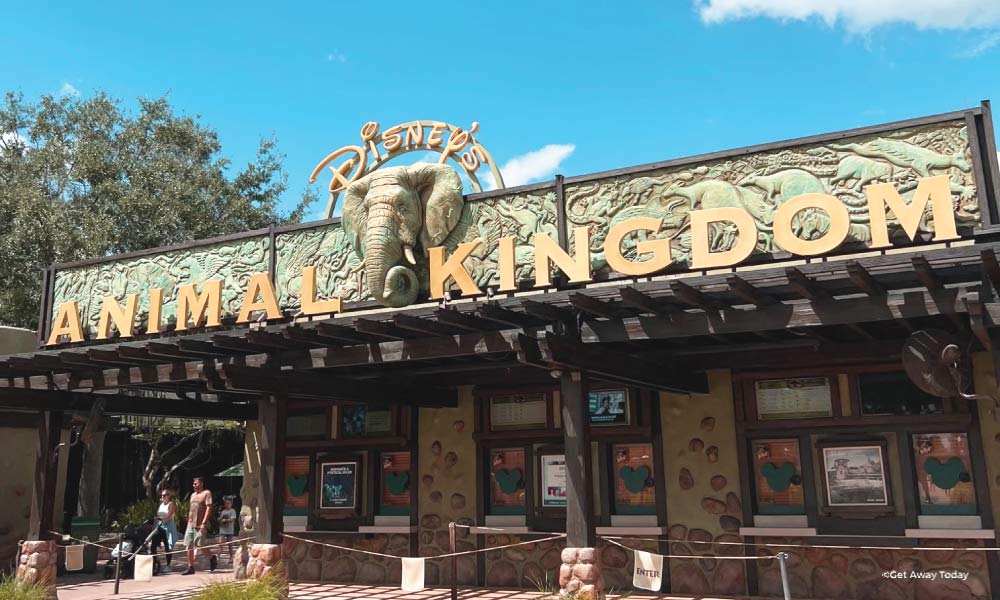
(135, 514)
(269, 587)
(12, 589)
(83, 178)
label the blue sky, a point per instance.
(556, 86)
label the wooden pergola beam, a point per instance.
(863, 280)
(424, 326)
(991, 268)
(563, 351)
(463, 320)
(381, 329)
(863, 309)
(925, 273)
(748, 293)
(805, 287)
(547, 312)
(119, 404)
(695, 298)
(344, 334)
(506, 317)
(646, 303)
(592, 306)
(324, 386)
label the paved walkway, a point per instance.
(176, 587)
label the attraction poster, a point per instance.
(340, 485)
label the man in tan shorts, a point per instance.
(198, 514)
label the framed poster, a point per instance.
(395, 478)
(634, 488)
(339, 487)
(519, 411)
(296, 485)
(800, 398)
(608, 407)
(778, 477)
(361, 421)
(944, 474)
(553, 473)
(507, 474)
(855, 475)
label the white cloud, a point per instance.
(529, 167)
(336, 56)
(67, 89)
(984, 45)
(859, 16)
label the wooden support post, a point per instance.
(271, 416)
(43, 500)
(580, 531)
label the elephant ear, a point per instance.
(440, 191)
(355, 214)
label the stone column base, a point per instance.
(39, 561)
(264, 560)
(580, 574)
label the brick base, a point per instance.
(580, 574)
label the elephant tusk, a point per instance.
(408, 253)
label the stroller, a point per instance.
(134, 539)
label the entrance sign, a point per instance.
(875, 188)
(381, 146)
(338, 490)
(648, 571)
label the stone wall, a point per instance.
(312, 562)
(703, 487)
(857, 574)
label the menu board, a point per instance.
(519, 411)
(553, 480)
(339, 485)
(802, 398)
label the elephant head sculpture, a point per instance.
(389, 213)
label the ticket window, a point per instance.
(350, 468)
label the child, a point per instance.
(227, 523)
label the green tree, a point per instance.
(83, 178)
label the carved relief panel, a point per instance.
(759, 183)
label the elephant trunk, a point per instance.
(390, 283)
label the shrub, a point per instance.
(12, 589)
(135, 514)
(270, 587)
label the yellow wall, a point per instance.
(447, 486)
(703, 485)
